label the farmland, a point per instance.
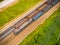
(15, 10)
(48, 33)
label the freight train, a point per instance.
(30, 18)
(33, 16)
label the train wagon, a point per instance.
(38, 15)
(54, 2)
(47, 8)
(20, 23)
(37, 11)
(5, 33)
(17, 30)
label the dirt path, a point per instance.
(34, 25)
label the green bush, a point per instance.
(47, 33)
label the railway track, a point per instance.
(20, 37)
(31, 16)
(9, 30)
(34, 16)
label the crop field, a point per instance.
(15, 10)
(48, 33)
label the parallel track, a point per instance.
(20, 21)
(27, 31)
(13, 36)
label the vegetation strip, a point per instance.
(47, 33)
(15, 10)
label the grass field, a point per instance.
(47, 33)
(15, 10)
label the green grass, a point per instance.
(47, 33)
(15, 10)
